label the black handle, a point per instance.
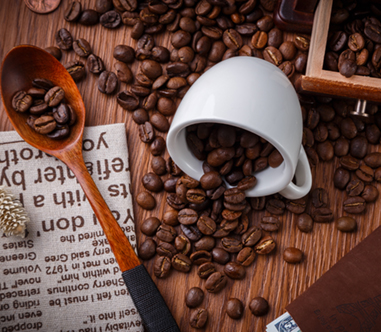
(148, 300)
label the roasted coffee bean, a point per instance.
(341, 147)
(88, 17)
(166, 106)
(354, 205)
(45, 124)
(302, 42)
(275, 206)
(350, 163)
(107, 82)
(370, 193)
(322, 215)
(82, 47)
(265, 246)
(348, 128)
(39, 107)
(373, 134)
(95, 64)
(54, 96)
(358, 147)
(232, 39)
(205, 270)
(230, 215)
(102, 6)
(337, 41)
(162, 267)
(198, 318)
(220, 256)
(76, 69)
(146, 200)
(123, 72)
(319, 197)
(124, 53)
(373, 32)
(200, 257)
(140, 116)
(194, 297)
(259, 40)
(187, 217)
(166, 249)
(297, 206)
(130, 18)
(273, 55)
(304, 223)
(149, 226)
(152, 182)
(138, 30)
(160, 122)
(172, 168)
(234, 270)
(182, 244)
(365, 173)
(341, 178)
(191, 232)
(181, 263)
(373, 159)
(355, 187)
(196, 196)
(234, 307)
(21, 101)
(325, 151)
(234, 196)
(346, 224)
(206, 225)
(259, 306)
(61, 113)
(128, 100)
(216, 282)
(231, 245)
(270, 224)
(205, 243)
(64, 39)
(292, 255)
(146, 132)
(60, 132)
(171, 218)
(55, 51)
(166, 233)
(73, 11)
(147, 249)
(246, 256)
(252, 236)
(258, 203)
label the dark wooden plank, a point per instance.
(269, 276)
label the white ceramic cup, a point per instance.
(254, 95)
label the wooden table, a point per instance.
(269, 276)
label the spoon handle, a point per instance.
(121, 247)
(147, 298)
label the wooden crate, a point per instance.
(320, 81)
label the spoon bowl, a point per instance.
(25, 63)
(20, 67)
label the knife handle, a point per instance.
(148, 300)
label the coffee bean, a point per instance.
(162, 267)
(157, 147)
(365, 173)
(171, 218)
(373, 159)
(270, 224)
(21, 101)
(166, 233)
(82, 47)
(273, 55)
(246, 256)
(198, 318)
(259, 306)
(292, 255)
(205, 243)
(346, 224)
(196, 196)
(191, 232)
(231, 245)
(322, 215)
(55, 51)
(234, 270)
(259, 40)
(341, 178)
(215, 282)
(88, 17)
(102, 6)
(205, 270)
(206, 225)
(61, 113)
(354, 205)
(232, 39)
(64, 39)
(73, 11)
(305, 223)
(149, 226)
(265, 246)
(53, 97)
(166, 249)
(146, 200)
(152, 182)
(181, 263)
(182, 244)
(45, 124)
(76, 69)
(124, 53)
(123, 72)
(146, 132)
(107, 82)
(200, 257)
(147, 249)
(370, 193)
(95, 64)
(187, 216)
(220, 256)
(194, 297)
(275, 206)
(319, 197)
(341, 147)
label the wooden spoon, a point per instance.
(25, 63)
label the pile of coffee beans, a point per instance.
(49, 113)
(353, 40)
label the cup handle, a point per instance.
(303, 179)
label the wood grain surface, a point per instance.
(269, 276)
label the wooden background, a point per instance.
(269, 276)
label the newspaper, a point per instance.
(63, 276)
